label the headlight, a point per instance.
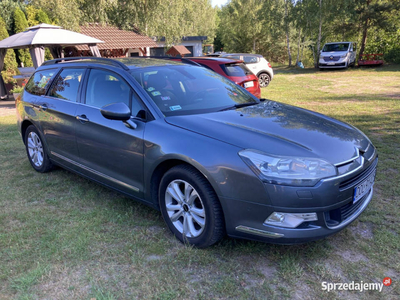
(287, 170)
(345, 55)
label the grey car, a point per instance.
(213, 158)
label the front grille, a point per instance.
(349, 209)
(331, 58)
(358, 178)
(336, 216)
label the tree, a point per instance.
(65, 13)
(7, 8)
(10, 63)
(21, 24)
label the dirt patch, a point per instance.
(7, 111)
(363, 229)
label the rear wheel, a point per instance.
(264, 79)
(36, 150)
(190, 207)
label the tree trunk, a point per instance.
(287, 33)
(298, 47)
(364, 37)
(316, 59)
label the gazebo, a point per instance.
(44, 35)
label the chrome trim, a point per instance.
(134, 188)
(349, 160)
(373, 155)
(356, 213)
(346, 174)
(259, 232)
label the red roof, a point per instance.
(115, 38)
(178, 50)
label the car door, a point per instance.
(58, 121)
(110, 151)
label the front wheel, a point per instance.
(264, 79)
(190, 207)
(36, 150)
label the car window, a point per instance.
(250, 59)
(336, 47)
(237, 70)
(184, 89)
(66, 84)
(39, 81)
(106, 87)
(233, 57)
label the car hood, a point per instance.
(279, 129)
(334, 53)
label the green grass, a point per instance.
(64, 237)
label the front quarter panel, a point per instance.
(219, 162)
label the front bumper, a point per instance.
(246, 220)
(341, 63)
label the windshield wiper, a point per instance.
(239, 105)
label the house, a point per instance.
(192, 43)
(118, 43)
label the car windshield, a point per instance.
(185, 89)
(336, 47)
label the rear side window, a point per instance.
(66, 84)
(250, 59)
(237, 70)
(39, 81)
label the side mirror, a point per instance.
(116, 111)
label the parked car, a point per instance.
(213, 158)
(233, 70)
(257, 64)
(337, 55)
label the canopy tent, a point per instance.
(44, 35)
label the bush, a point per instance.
(10, 64)
(393, 56)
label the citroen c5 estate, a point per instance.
(214, 159)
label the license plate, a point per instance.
(363, 188)
(330, 63)
(248, 84)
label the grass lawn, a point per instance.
(64, 237)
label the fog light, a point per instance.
(290, 220)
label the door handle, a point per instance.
(82, 118)
(43, 107)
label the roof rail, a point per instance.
(102, 59)
(182, 59)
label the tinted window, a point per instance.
(336, 47)
(105, 87)
(66, 84)
(38, 83)
(238, 70)
(189, 89)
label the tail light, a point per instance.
(269, 65)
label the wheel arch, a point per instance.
(162, 168)
(264, 71)
(24, 126)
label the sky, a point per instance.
(218, 2)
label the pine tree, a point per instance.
(10, 63)
(20, 24)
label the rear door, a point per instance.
(58, 120)
(110, 152)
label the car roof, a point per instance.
(124, 63)
(243, 54)
(224, 60)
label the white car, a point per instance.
(257, 64)
(337, 55)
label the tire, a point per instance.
(190, 207)
(36, 151)
(264, 79)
